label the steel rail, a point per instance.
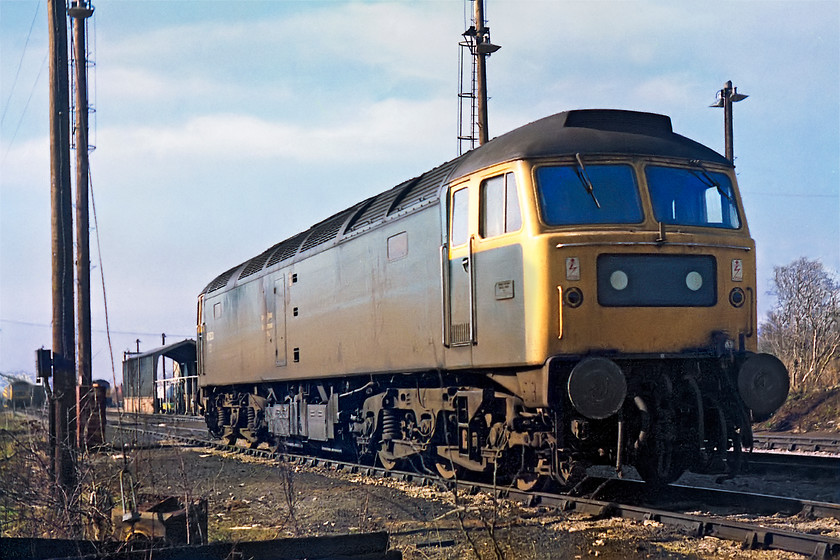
(613, 489)
(798, 442)
(807, 465)
(748, 534)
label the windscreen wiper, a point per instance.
(584, 179)
(707, 180)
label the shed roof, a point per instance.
(182, 351)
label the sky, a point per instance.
(222, 128)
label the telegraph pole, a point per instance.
(79, 12)
(64, 359)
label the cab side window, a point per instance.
(460, 232)
(499, 205)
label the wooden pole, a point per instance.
(64, 359)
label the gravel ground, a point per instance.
(255, 499)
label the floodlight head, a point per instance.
(737, 97)
(487, 48)
(80, 10)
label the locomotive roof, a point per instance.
(589, 131)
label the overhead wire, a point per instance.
(25, 108)
(132, 333)
(102, 278)
(20, 63)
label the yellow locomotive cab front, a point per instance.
(635, 267)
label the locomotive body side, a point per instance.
(339, 312)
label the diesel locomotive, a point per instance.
(578, 291)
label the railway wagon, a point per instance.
(578, 291)
(22, 394)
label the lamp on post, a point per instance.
(725, 98)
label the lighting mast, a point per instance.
(477, 40)
(725, 98)
(483, 47)
(79, 11)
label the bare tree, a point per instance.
(803, 329)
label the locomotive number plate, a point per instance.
(504, 289)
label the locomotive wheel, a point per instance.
(211, 419)
(658, 464)
(213, 427)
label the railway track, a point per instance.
(597, 497)
(795, 464)
(776, 454)
(798, 442)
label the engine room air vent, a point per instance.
(286, 249)
(377, 209)
(220, 281)
(424, 188)
(325, 231)
(256, 264)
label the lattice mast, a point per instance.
(478, 46)
(88, 424)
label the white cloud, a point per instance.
(25, 164)
(668, 90)
(384, 128)
(395, 38)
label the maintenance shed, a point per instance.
(162, 380)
